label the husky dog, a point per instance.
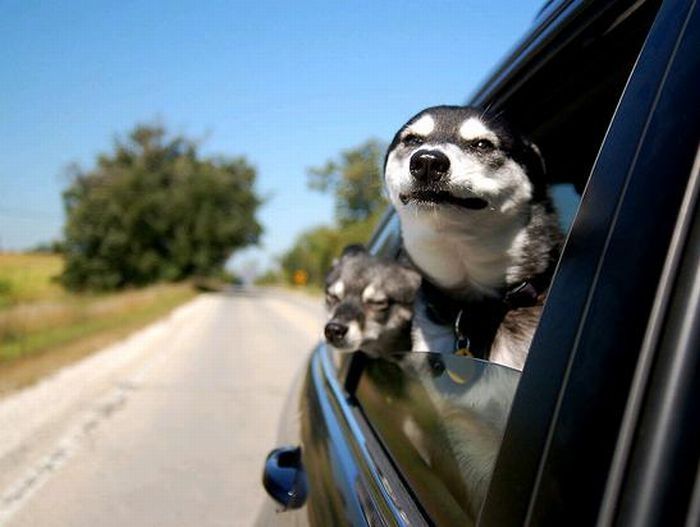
(478, 223)
(370, 303)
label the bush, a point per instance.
(314, 250)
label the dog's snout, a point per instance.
(429, 165)
(335, 331)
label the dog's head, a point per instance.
(370, 302)
(470, 167)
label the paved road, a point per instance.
(167, 429)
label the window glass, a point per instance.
(387, 238)
(441, 417)
(566, 201)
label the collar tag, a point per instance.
(463, 352)
(462, 342)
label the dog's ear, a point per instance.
(536, 169)
(333, 274)
(404, 284)
(535, 158)
(353, 249)
(538, 154)
(349, 250)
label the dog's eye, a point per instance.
(331, 298)
(378, 304)
(484, 145)
(412, 140)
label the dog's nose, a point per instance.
(335, 331)
(429, 165)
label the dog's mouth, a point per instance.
(440, 197)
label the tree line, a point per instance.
(155, 209)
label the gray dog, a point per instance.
(370, 303)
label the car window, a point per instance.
(441, 417)
(564, 99)
(387, 239)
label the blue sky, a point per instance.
(287, 84)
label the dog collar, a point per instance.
(475, 323)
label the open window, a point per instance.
(564, 96)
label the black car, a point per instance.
(602, 427)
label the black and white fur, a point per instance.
(476, 218)
(370, 303)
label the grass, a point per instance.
(26, 277)
(43, 327)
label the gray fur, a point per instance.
(383, 321)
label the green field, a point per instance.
(43, 327)
(29, 277)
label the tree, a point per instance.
(314, 250)
(355, 180)
(312, 254)
(154, 210)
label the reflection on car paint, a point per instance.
(442, 418)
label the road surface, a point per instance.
(169, 428)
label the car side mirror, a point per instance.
(284, 477)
